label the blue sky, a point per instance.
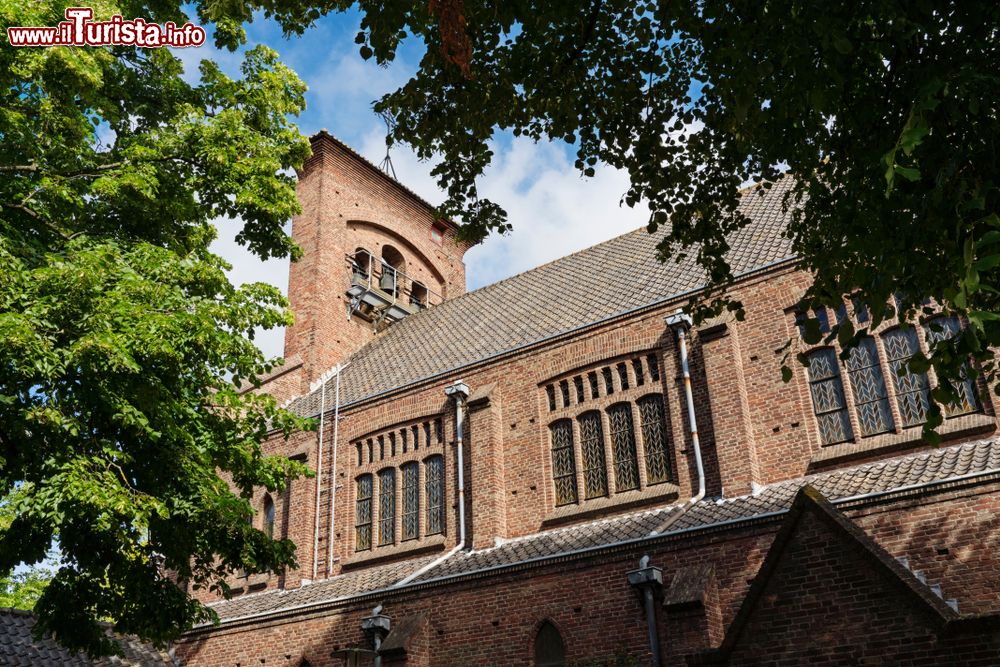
(554, 210)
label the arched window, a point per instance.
(363, 514)
(654, 439)
(393, 264)
(269, 516)
(434, 483)
(946, 328)
(411, 500)
(418, 295)
(563, 461)
(827, 391)
(387, 506)
(595, 471)
(871, 401)
(361, 265)
(549, 648)
(623, 447)
(912, 389)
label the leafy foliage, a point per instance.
(885, 114)
(20, 589)
(122, 342)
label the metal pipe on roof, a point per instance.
(681, 323)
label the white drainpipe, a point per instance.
(460, 392)
(333, 469)
(681, 323)
(319, 476)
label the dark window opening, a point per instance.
(578, 383)
(550, 391)
(609, 385)
(592, 377)
(654, 368)
(623, 375)
(640, 377)
(564, 390)
(549, 648)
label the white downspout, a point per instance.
(459, 391)
(681, 323)
(319, 476)
(333, 469)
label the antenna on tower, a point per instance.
(386, 163)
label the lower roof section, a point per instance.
(967, 461)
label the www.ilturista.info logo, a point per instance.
(79, 30)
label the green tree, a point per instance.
(122, 342)
(885, 113)
(20, 589)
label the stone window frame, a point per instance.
(900, 434)
(636, 387)
(432, 425)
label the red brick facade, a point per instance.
(609, 377)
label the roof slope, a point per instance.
(18, 647)
(945, 464)
(612, 278)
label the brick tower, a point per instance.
(373, 253)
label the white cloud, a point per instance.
(553, 210)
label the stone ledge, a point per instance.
(619, 501)
(956, 427)
(408, 548)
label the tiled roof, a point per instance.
(886, 476)
(19, 649)
(609, 279)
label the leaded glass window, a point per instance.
(623, 447)
(595, 471)
(387, 506)
(592, 377)
(654, 439)
(563, 463)
(578, 383)
(609, 385)
(912, 389)
(564, 390)
(871, 400)
(416, 437)
(434, 489)
(363, 514)
(946, 328)
(827, 391)
(269, 516)
(411, 500)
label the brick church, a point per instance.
(560, 469)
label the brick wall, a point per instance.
(348, 203)
(492, 620)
